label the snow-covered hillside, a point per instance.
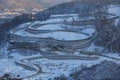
(115, 10)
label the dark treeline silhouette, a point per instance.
(7, 26)
(106, 70)
(109, 38)
(76, 6)
(8, 77)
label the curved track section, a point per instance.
(72, 44)
(33, 28)
(28, 64)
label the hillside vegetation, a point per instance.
(28, 4)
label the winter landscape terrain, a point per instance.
(67, 46)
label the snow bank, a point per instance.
(50, 27)
(60, 35)
(115, 10)
(89, 31)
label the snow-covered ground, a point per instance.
(89, 30)
(60, 35)
(50, 68)
(52, 21)
(24, 25)
(7, 65)
(114, 10)
(50, 27)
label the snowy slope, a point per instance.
(114, 9)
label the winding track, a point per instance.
(82, 43)
(27, 62)
(30, 66)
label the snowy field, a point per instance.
(89, 30)
(50, 27)
(8, 66)
(62, 35)
(114, 10)
(50, 68)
